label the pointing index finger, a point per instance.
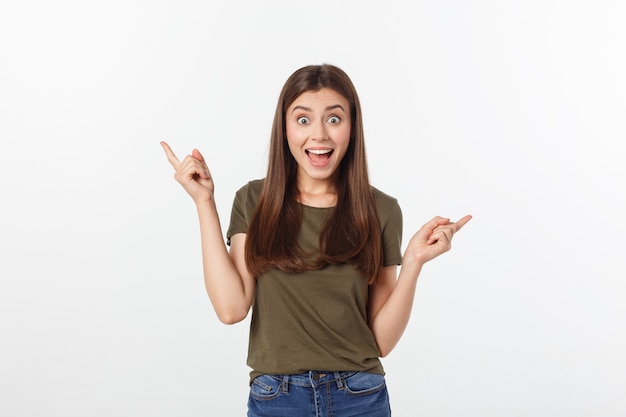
(170, 155)
(462, 222)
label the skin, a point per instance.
(317, 121)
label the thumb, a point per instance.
(428, 228)
(196, 154)
(204, 173)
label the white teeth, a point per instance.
(320, 151)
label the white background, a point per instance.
(511, 111)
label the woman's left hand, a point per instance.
(433, 239)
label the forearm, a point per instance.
(225, 286)
(391, 320)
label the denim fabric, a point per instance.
(319, 394)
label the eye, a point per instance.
(302, 120)
(334, 120)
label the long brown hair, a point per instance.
(352, 233)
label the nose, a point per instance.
(319, 131)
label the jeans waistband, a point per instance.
(314, 378)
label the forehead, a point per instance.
(320, 99)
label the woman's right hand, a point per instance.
(193, 174)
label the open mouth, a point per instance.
(319, 153)
(319, 157)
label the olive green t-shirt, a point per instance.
(314, 320)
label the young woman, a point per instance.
(314, 250)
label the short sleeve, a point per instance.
(392, 236)
(243, 208)
(390, 217)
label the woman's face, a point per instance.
(318, 133)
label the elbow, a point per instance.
(230, 312)
(230, 320)
(231, 317)
(385, 350)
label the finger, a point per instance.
(454, 226)
(196, 154)
(441, 232)
(448, 229)
(435, 222)
(190, 168)
(427, 229)
(462, 222)
(170, 155)
(441, 237)
(204, 173)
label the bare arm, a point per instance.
(228, 283)
(391, 299)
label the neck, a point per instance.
(318, 200)
(317, 193)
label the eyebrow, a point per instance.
(335, 106)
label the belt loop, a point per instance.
(285, 384)
(338, 380)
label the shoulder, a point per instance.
(251, 190)
(247, 197)
(387, 207)
(384, 201)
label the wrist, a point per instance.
(412, 263)
(204, 205)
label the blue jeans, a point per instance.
(319, 394)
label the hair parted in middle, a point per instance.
(352, 233)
